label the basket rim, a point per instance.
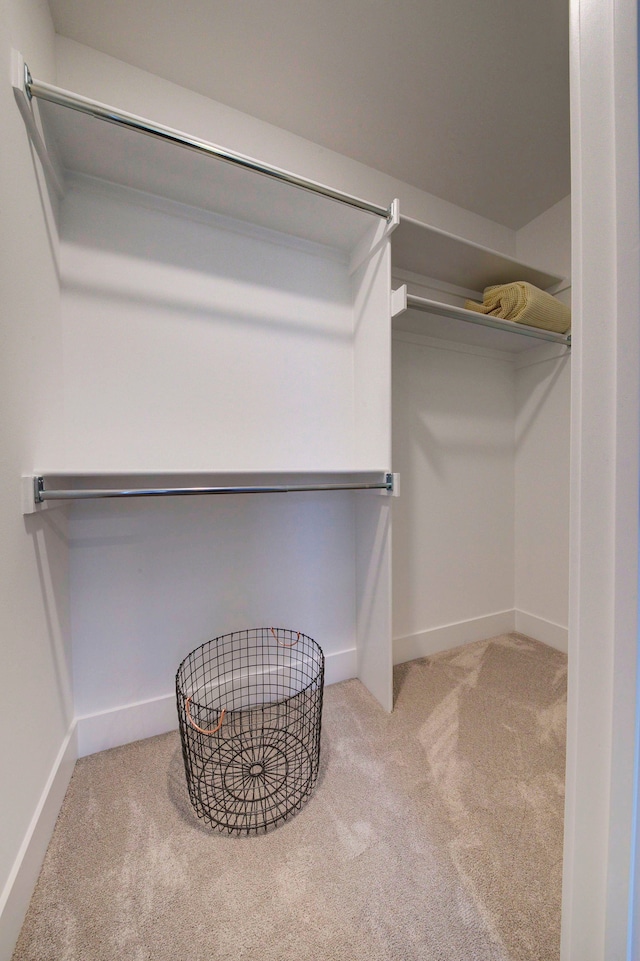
(224, 637)
(260, 706)
(256, 707)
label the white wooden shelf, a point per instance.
(456, 324)
(434, 253)
(465, 269)
(85, 145)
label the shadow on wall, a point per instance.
(98, 219)
(48, 533)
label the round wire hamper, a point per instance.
(250, 713)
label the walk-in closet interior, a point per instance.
(252, 392)
(274, 351)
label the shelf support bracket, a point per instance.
(21, 81)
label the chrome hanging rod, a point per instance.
(485, 320)
(41, 494)
(65, 98)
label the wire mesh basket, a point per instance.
(250, 712)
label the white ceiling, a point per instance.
(467, 99)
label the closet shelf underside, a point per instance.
(87, 137)
(434, 253)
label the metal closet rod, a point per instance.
(41, 494)
(65, 98)
(486, 320)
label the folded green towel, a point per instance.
(524, 304)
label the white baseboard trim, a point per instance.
(133, 722)
(425, 643)
(122, 725)
(546, 631)
(15, 897)
(445, 638)
(340, 667)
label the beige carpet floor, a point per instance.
(433, 834)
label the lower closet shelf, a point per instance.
(460, 320)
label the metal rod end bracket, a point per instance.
(28, 80)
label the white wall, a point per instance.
(153, 580)
(543, 387)
(542, 476)
(193, 347)
(453, 444)
(35, 652)
(546, 241)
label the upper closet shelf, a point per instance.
(434, 253)
(468, 268)
(140, 154)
